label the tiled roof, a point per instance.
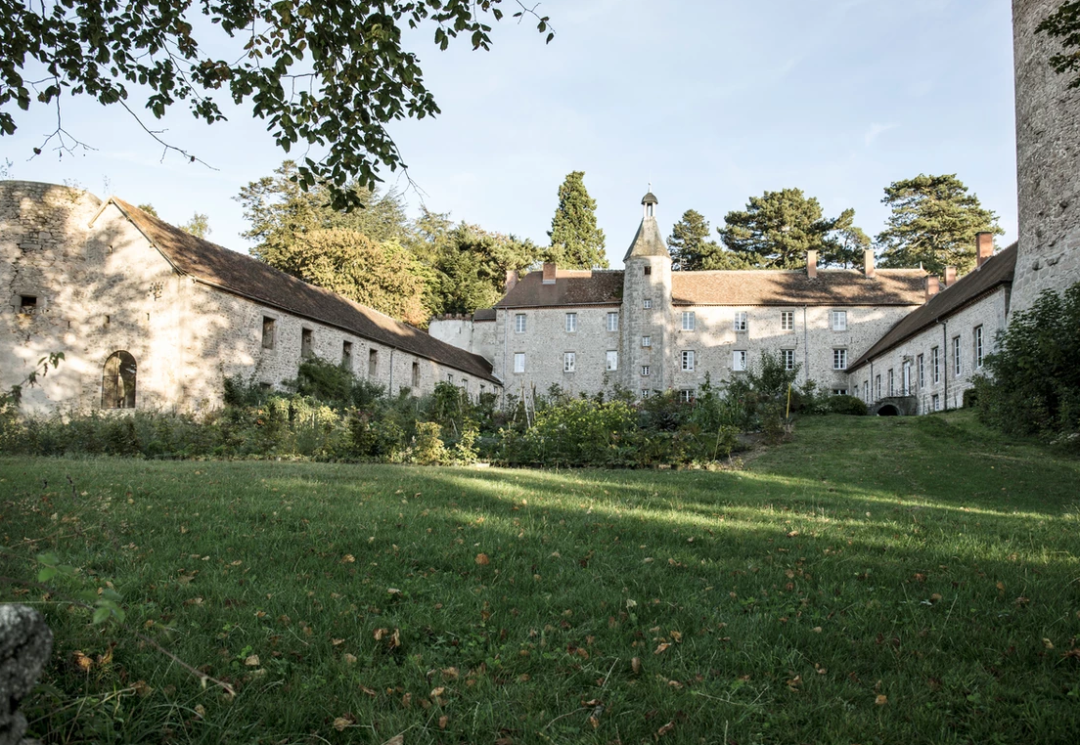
(776, 287)
(572, 287)
(484, 314)
(647, 241)
(996, 271)
(242, 275)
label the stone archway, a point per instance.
(888, 410)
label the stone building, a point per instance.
(148, 316)
(647, 328)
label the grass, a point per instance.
(875, 581)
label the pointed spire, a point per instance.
(648, 241)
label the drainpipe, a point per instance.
(806, 348)
(391, 371)
(873, 393)
(945, 358)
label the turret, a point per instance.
(646, 309)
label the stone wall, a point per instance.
(988, 312)
(1047, 160)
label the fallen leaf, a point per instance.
(443, 721)
(635, 665)
(483, 560)
(881, 700)
(395, 740)
(1047, 643)
(436, 692)
(200, 711)
(349, 658)
(662, 648)
(665, 729)
(348, 559)
(81, 661)
(369, 691)
(252, 660)
(340, 723)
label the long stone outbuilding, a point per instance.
(148, 316)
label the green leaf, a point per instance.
(101, 615)
(46, 574)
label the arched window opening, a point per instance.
(118, 382)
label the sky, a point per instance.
(706, 102)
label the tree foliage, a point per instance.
(576, 242)
(198, 225)
(1064, 24)
(329, 75)
(933, 222)
(777, 229)
(692, 251)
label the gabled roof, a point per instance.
(647, 241)
(781, 287)
(995, 272)
(571, 287)
(242, 275)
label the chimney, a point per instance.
(984, 248)
(811, 264)
(868, 262)
(932, 286)
(549, 273)
(950, 276)
(511, 279)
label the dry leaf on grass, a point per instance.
(483, 560)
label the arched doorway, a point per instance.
(888, 410)
(118, 381)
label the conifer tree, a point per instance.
(576, 242)
(686, 240)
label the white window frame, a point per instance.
(612, 321)
(935, 364)
(612, 362)
(645, 371)
(838, 320)
(922, 372)
(520, 324)
(644, 393)
(689, 320)
(958, 361)
(688, 360)
(787, 356)
(935, 402)
(866, 391)
(686, 395)
(978, 347)
(519, 362)
(738, 360)
(877, 386)
(787, 320)
(839, 358)
(569, 362)
(892, 383)
(646, 341)
(647, 304)
(571, 323)
(741, 321)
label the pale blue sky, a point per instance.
(711, 101)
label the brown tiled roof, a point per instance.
(572, 287)
(997, 270)
(242, 275)
(776, 287)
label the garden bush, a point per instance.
(851, 405)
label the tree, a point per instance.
(576, 242)
(198, 225)
(1064, 24)
(933, 222)
(777, 229)
(148, 209)
(328, 74)
(846, 244)
(691, 251)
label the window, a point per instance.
(689, 320)
(787, 356)
(787, 320)
(307, 342)
(978, 347)
(647, 304)
(644, 371)
(612, 321)
(740, 321)
(686, 395)
(571, 322)
(891, 389)
(922, 372)
(935, 365)
(28, 304)
(612, 360)
(738, 360)
(839, 391)
(839, 320)
(688, 359)
(415, 375)
(346, 355)
(519, 362)
(839, 359)
(519, 323)
(866, 391)
(648, 271)
(958, 367)
(118, 381)
(269, 324)
(935, 403)
(373, 363)
(877, 386)
(450, 378)
(569, 362)
(646, 341)
(644, 392)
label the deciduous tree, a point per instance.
(198, 225)
(576, 242)
(933, 222)
(1064, 25)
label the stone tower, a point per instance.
(646, 307)
(1047, 160)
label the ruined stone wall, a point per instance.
(988, 312)
(1047, 160)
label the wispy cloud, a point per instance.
(875, 131)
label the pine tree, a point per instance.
(576, 242)
(777, 229)
(687, 237)
(933, 222)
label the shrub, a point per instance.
(971, 397)
(851, 405)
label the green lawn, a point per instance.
(876, 580)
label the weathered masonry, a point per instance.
(149, 316)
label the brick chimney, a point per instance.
(868, 263)
(932, 286)
(950, 276)
(549, 273)
(811, 264)
(984, 248)
(511, 279)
